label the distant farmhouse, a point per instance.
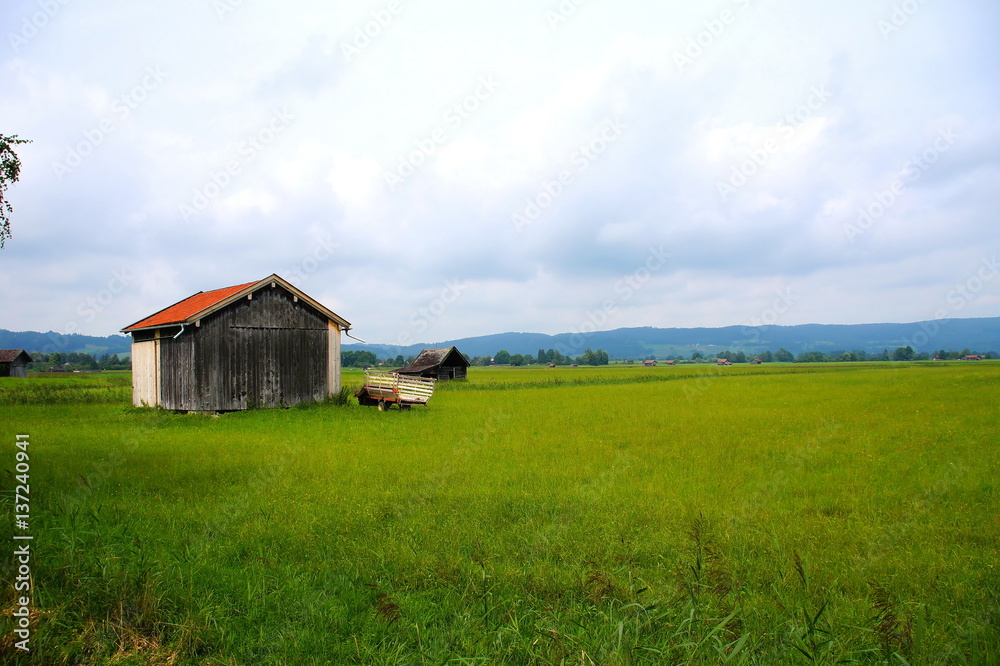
(440, 364)
(259, 344)
(14, 363)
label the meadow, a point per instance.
(599, 516)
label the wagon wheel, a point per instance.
(383, 406)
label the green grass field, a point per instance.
(618, 515)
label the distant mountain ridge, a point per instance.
(978, 335)
(51, 341)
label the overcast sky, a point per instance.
(433, 170)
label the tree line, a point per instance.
(543, 357)
(364, 359)
(76, 361)
(906, 353)
(367, 359)
(84, 362)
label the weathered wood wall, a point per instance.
(14, 369)
(270, 350)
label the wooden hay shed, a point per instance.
(441, 364)
(14, 363)
(259, 344)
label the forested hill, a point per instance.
(33, 341)
(976, 335)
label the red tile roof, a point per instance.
(184, 310)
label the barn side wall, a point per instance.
(145, 373)
(270, 350)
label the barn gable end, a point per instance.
(441, 364)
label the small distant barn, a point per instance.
(649, 363)
(259, 344)
(14, 363)
(441, 364)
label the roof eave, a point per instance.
(174, 324)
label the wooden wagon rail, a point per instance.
(384, 389)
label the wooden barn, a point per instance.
(441, 364)
(14, 363)
(260, 344)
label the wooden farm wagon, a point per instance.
(384, 389)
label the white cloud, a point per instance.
(356, 181)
